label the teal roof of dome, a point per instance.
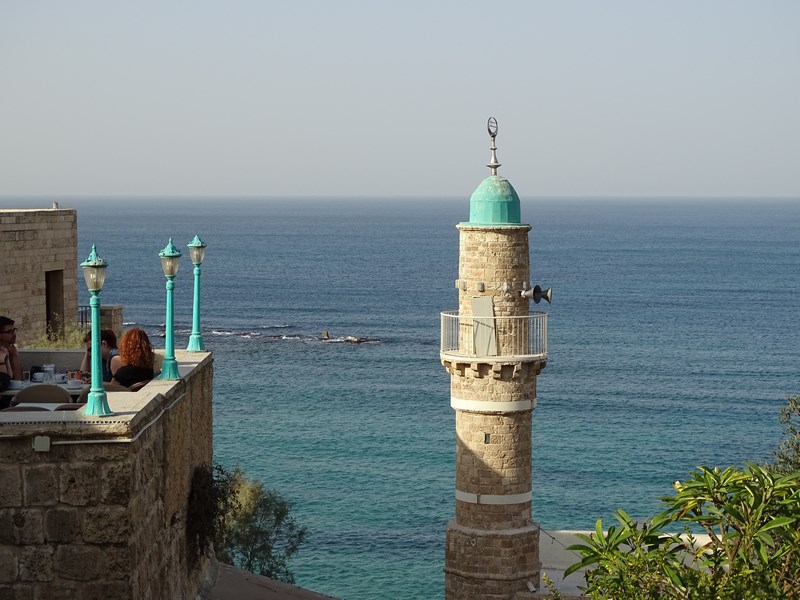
(494, 202)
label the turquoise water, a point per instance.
(672, 344)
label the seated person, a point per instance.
(5, 371)
(135, 360)
(108, 346)
(10, 358)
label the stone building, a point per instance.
(38, 268)
(97, 508)
(39, 280)
(493, 347)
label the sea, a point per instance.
(673, 341)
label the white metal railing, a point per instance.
(84, 316)
(494, 336)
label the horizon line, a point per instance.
(56, 197)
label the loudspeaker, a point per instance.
(537, 294)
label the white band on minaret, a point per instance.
(483, 406)
(494, 498)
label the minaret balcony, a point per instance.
(493, 339)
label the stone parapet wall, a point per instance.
(493, 382)
(33, 242)
(64, 360)
(99, 509)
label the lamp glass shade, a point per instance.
(197, 250)
(94, 271)
(169, 259)
(197, 253)
(170, 264)
(95, 277)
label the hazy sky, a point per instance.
(357, 98)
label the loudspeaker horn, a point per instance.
(537, 294)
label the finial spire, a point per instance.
(491, 127)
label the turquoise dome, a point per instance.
(494, 202)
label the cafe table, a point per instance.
(74, 392)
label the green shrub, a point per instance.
(248, 525)
(751, 517)
(787, 456)
(69, 337)
(211, 500)
(260, 535)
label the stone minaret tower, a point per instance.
(493, 348)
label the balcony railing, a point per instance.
(84, 316)
(494, 337)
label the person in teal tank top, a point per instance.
(108, 346)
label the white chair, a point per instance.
(41, 393)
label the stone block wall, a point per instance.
(493, 382)
(487, 565)
(33, 242)
(64, 360)
(101, 513)
(493, 256)
(493, 457)
(112, 317)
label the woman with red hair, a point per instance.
(134, 363)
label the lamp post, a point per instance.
(197, 250)
(94, 272)
(169, 264)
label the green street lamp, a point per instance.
(197, 250)
(94, 272)
(170, 256)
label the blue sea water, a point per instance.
(672, 344)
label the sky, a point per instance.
(385, 99)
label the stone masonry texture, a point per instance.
(107, 520)
(492, 549)
(494, 256)
(33, 242)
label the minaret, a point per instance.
(493, 348)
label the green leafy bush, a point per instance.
(211, 500)
(67, 337)
(260, 535)
(787, 456)
(248, 525)
(751, 517)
